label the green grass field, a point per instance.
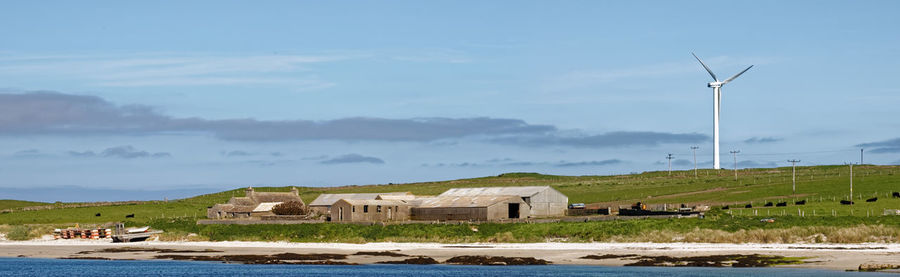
(821, 186)
(16, 204)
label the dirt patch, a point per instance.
(380, 254)
(141, 249)
(416, 260)
(283, 258)
(754, 260)
(607, 256)
(495, 260)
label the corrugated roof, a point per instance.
(265, 206)
(463, 201)
(518, 191)
(328, 199)
(371, 202)
(404, 197)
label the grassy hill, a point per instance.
(16, 204)
(821, 186)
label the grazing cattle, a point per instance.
(748, 206)
(873, 199)
(725, 207)
(782, 204)
(895, 194)
(845, 202)
(129, 216)
(768, 204)
(98, 214)
(801, 202)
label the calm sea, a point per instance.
(54, 267)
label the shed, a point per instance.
(470, 208)
(322, 204)
(544, 201)
(369, 210)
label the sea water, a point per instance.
(61, 267)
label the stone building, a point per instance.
(543, 201)
(369, 210)
(252, 204)
(322, 204)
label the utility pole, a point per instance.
(851, 184)
(694, 150)
(669, 157)
(734, 154)
(794, 175)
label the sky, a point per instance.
(148, 100)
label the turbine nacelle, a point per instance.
(715, 84)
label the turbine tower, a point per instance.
(716, 85)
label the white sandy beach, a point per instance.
(828, 256)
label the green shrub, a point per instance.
(18, 232)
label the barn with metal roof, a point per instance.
(543, 201)
(469, 208)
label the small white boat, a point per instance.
(138, 230)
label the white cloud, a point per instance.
(175, 69)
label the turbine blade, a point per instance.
(736, 75)
(706, 67)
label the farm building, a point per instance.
(543, 201)
(471, 208)
(369, 210)
(322, 204)
(252, 204)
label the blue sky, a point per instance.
(210, 95)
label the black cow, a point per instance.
(768, 204)
(749, 206)
(873, 199)
(98, 214)
(129, 216)
(782, 204)
(725, 207)
(801, 202)
(846, 202)
(895, 194)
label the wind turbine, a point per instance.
(716, 85)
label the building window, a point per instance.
(353, 209)
(378, 209)
(365, 208)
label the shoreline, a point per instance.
(820, 256)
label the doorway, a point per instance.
(341, 214)
(513, 210)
